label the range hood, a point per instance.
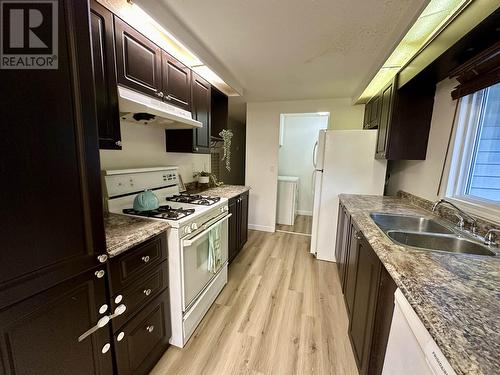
(138, 108)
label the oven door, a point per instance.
(195, 260)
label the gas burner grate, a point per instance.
(198, 199)
(162, 212)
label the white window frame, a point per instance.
(467, 124)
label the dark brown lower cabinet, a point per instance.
(138, 279)
(238, 224)
(145, 337)
(368, 293)
(40, 334)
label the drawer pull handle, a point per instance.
(150, 328)
(145, 259)
(147, 291)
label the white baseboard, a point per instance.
(305, 213)
(262, 228)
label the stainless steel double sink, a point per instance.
(426, 233)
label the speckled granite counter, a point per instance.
(124, 232)
(456, 296)
(226, 191)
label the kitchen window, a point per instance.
(474, 178)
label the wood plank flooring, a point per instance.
(303, 224)
(282, 312)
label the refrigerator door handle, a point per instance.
(314, 154)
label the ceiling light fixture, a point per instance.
(434, 19)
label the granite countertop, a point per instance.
(124, 232)
(226, 191)
(456, 296)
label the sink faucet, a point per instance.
(491, 236)
(461, 215)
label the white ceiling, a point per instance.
(297, 49)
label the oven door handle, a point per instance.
(194, 239)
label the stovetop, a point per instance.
(163, 212)
(197, 199)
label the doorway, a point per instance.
(298, 135)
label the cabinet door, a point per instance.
(140, 343)
(351, 269)
(103, 58)
(243, 215)
(385, 121)
(233, 229)
(364, 304)
(40, 334)
(53, 226)
(346, 236)
(176, 82)
(201, 112)
(366, 118)
(375, 112)
(340, 236)
(138, 60)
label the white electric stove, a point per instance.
(193, 287)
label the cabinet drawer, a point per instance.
(140, 292)
(145, 337)
(137, 261)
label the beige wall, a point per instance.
(263, 120)
(422, 177)
(144, 146)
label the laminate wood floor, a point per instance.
(303, 225)
(282, 312)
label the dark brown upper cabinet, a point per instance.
(176, 82)
(194, 140)
(372, 113)
(404, 119)
(220, 112)
(103, 58)
(138, 60)
(201, 112)
(385, 120)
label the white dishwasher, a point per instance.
(288, 200)
(410, 348)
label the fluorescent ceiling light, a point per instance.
(323, 113)
(434, 18)
(144, 23)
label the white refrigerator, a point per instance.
(344, 163)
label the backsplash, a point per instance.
(447, 213)
(144, 146)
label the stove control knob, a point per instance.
(194, 226)
(226, 208)
(187, 230)
(222, 210)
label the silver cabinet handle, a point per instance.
(118, 143)
(160, 94)
(102, 258)
(147, 291)
(150, 328)
(103, 322)
(168, 97)
(145, 259)
(120, 336)
(100, 323)
(100, 274)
